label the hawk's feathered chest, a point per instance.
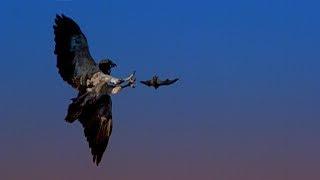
(101, 83)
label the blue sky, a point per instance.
(246, 106)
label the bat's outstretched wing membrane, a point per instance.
(147, 83)
(167, 82)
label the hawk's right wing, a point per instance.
(74, 61)
(96, 120)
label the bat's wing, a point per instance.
(96, 120)
(147, 83)
(74, 61)
(167, 82)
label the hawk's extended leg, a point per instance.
(116, 89)
(131, 83)
(130, 78)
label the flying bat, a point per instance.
(93, 105)
(156, 82)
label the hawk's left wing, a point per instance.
(96, 120)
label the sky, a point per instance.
(246, 106)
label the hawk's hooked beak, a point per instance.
(112, 64)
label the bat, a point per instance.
(156, 82)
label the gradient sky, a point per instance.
(246, 107)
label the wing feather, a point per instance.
(97, 122)
(74, 61)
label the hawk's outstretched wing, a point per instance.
(74, 61)
(167, 82)
(96, 120)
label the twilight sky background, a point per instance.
(246, 107)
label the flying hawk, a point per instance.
(156, 82)
(93, 105)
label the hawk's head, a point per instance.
(106, 65)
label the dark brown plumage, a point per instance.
(156, 82)
(75, 66)
(74, 61)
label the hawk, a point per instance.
(93, 105)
